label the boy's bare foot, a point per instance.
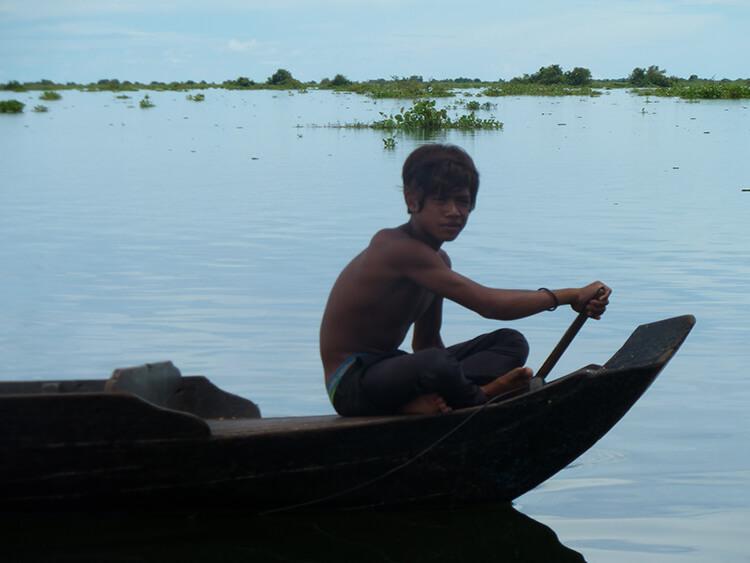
(426, 404)
(515, 379)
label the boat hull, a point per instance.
(492, 453)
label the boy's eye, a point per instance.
(458, 201)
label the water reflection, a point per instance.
(492, 533)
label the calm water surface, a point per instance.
(210, 233)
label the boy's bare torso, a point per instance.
(372, 304)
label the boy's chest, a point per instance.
(409, 301)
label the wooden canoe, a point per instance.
(151, 437)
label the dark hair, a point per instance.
(437, 169)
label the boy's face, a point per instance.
(443, 216)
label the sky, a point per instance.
(214, 40)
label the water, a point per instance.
(210, 233)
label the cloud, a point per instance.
(239, 46)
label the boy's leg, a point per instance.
(392, 383)
(488, 356)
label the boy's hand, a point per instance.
(592, 298)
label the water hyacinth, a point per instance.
(11, 106)
(424, 116)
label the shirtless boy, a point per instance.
(400, 280)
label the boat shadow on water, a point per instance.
(489, 533)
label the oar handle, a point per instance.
(565, 341)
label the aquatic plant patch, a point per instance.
(146, 103)
(11, 106)
(532, 89)
(408, 89)
(708, 90)
(50, 96)
(424, 116)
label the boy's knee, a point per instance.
(513, 342)
(438, 369)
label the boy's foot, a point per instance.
(426, 404)
(515, 379)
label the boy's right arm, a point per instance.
(425, 267)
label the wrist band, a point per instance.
(554, 297)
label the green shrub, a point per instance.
(14, 85)
(401, 88)
(652, 76)
(535, 89)
(340, 80)
(424, 116)
(579, 76)
(50, 96)
(11, 106)
(146, 102)
(706, 90)
(284, 79)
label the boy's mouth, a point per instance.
(452, 226)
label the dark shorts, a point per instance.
(379, 384)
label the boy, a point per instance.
(400, 280)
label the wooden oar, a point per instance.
(538, 380)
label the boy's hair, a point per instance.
(438, 169)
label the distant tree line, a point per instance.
(547, 77)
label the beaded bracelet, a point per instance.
(554, 297)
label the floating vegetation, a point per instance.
(146, 102)
(40, 109)
(424, 116)
(50, 96)
(196, 97)
(11, 106)
(409, 88)
(473, 105)
(471, 121)
(389, 143)
(703, 90)
(535, 89)
(122, 97)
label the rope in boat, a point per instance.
(390, 472)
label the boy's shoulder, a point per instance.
(396, 241)
(389, 236)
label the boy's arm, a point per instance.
(426, 268)
(427, 327)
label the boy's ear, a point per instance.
(412, 201)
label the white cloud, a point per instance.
(239, 46)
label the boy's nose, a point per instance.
(452, 208)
